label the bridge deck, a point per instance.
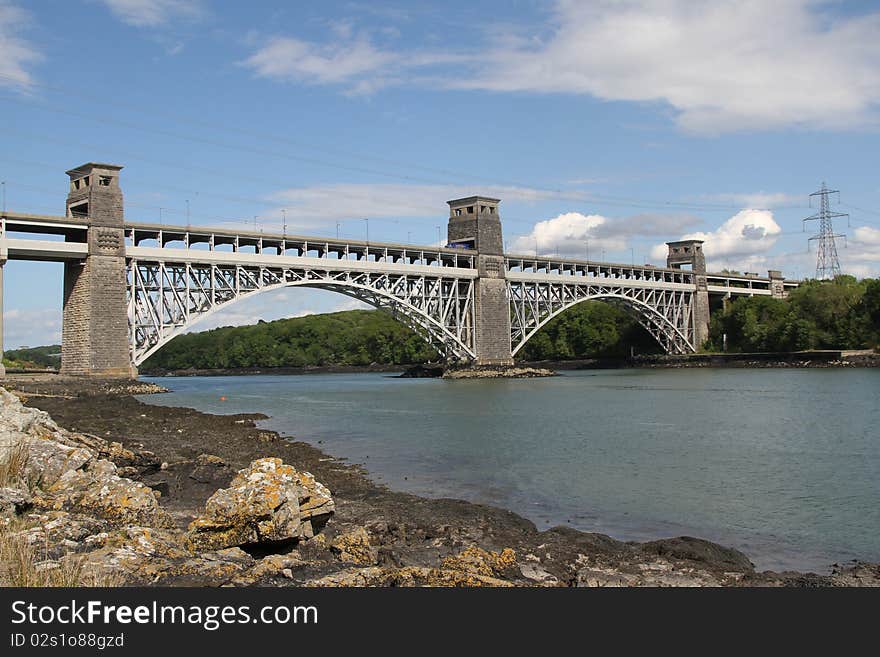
(229, 246)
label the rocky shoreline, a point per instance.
(798, 359)
(803, 359)
(476, 372)
(123, 492)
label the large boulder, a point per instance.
(98, 490)
(71, 472)
(17, 419)
(48, 460)
(147, 555)
(266, 502)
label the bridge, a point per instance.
(130, 287)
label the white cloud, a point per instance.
(746, 234)
(348, 58)
(31, 328)
(573, 233)
(16, 53)
(341, 62)
(860, 256)
(568, 234)
(721, 65)
(867, 236)
(152, 13)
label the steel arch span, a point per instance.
(166, 299)
(667, 314)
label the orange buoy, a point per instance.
(222, 398)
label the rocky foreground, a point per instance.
(120, 492)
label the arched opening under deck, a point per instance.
(600, 326)
(446, 343)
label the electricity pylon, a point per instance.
(827, 263)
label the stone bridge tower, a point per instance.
(688, 254)
(474, 223)
(95, 330)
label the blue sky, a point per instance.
(622, 124)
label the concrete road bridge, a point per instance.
(130, 287)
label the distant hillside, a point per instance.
(362, 337)
(33, 358)
(839, 314)
(355, 337)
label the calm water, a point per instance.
(782, 464)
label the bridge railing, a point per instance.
(597, 270)
(165, 237)
(745, 284)
(21, 224)
(73, 231)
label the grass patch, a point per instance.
(24, 564)
(13, 465)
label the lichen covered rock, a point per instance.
(482, 562)
(270, 567)
(146, 555)
(266, 502)
(96, 489)
(407, 576)
(354, 547)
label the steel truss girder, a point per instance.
(667, 314)
(166, 298)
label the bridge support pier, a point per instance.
(688, 254)
(777, 284)
(701, 311)
(474, 223)
(95, 330)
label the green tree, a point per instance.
(838, 314)
(588, 330)
(358, 337)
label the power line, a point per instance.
(855, 207)
(369, 195)
(558, 194)
(274, 138)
